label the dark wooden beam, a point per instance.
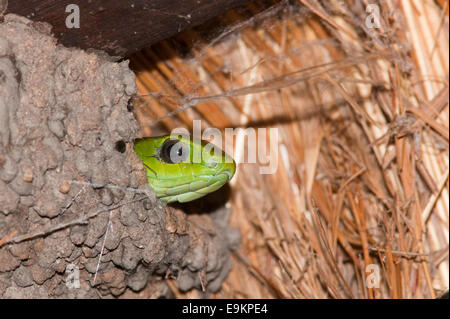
(120, 27)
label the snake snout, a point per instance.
(228, 169)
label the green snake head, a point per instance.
(180, 169)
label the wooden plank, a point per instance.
(120, 27)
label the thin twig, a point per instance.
(103, 245)
(78, 221)
(433, 199)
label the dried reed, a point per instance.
(362, 116)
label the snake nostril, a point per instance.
(212, 164)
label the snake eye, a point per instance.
(173, 151)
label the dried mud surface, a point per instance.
(64, 118)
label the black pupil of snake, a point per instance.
(173, 151)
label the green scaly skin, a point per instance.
(184, 181)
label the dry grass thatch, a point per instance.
(362, 117)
